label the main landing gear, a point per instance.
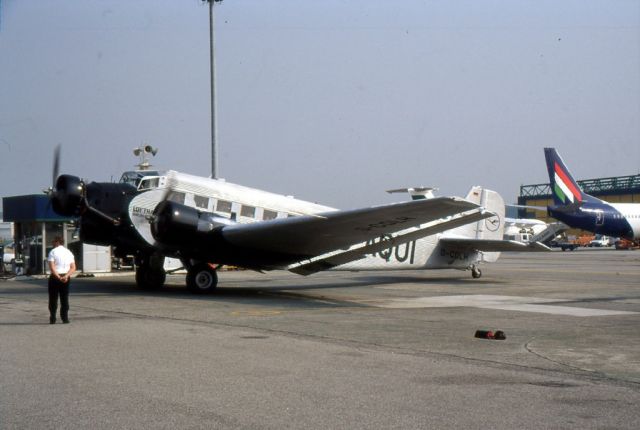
(150, 274)
(476, 272)
(202, 278)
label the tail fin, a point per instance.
(564, 188)
(490, 228)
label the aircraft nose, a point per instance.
(68, 196)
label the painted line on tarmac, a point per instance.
(506, 303)
(575, 269)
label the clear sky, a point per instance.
(332, 101)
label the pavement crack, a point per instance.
(594, 373)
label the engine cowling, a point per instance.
(68, 198)
(175, 224)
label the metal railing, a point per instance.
(591, 186)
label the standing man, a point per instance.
(62, 265)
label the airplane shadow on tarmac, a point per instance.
(279, 287)
(11, 323)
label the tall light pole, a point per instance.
(214, 130)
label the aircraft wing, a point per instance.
(309, 236)
(488, 245)
(334, 259)
(281, 242)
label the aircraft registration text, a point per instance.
(400, 253)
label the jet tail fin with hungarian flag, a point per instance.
(564, 188)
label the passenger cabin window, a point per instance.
(267, 214)
(224, 206)
(201, 202)
(248, 211)
(176, 196)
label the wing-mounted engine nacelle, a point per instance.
(177, 224)
(69, 196)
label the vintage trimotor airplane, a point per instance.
(210, 222)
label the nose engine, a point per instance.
(96, 202)
(68, 198)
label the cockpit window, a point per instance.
(134, 177)
(149, 183)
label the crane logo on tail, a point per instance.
(492, 223)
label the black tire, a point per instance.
(149, 279)
(476, 273)
(202, 279)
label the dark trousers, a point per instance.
(58, 288)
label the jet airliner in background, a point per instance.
(578, 209)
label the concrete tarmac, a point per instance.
(336, 350)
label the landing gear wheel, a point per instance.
(202, 279)
(476, 272)
(150, 278)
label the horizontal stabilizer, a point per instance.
(535, 208)
(489, 245)
(417, 193)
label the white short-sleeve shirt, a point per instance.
(62, 258)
